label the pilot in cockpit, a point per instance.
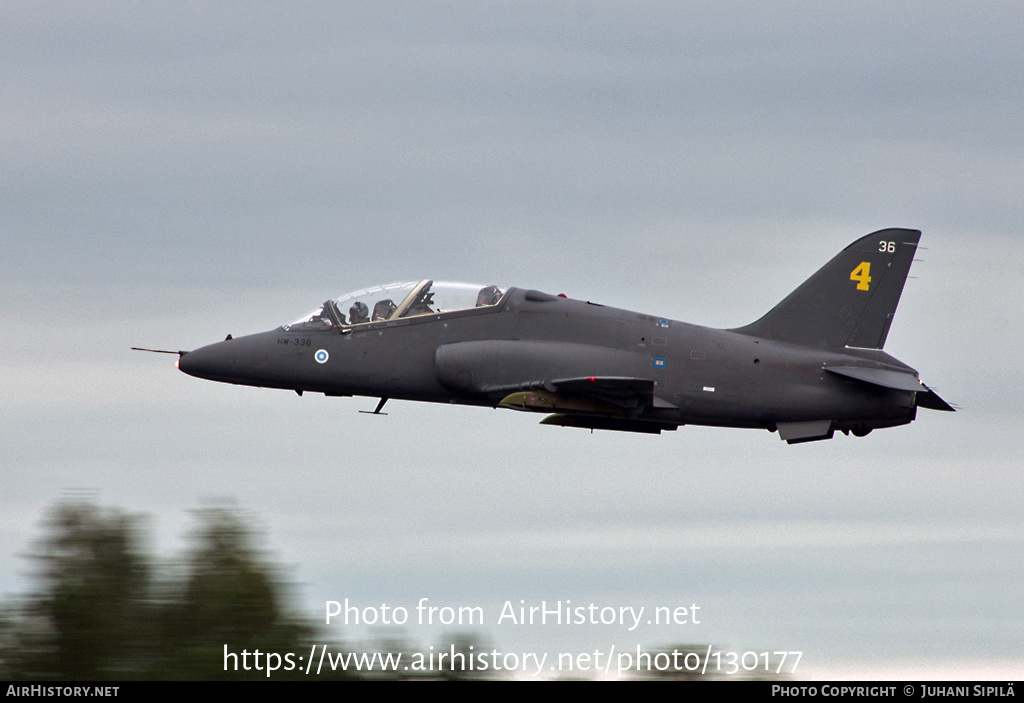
(358, 313)
(488, 296)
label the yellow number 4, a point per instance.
(861, 274)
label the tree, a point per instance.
(89, 618)
(102, 609)
(229, 596)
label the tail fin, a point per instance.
(850, 301)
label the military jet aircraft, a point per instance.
(811, 366)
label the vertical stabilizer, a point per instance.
(850, 301)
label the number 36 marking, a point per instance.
(887, 247)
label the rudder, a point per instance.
(850, 301)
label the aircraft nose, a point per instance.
(214, 362)
(250, 360)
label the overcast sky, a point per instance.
(175, 172)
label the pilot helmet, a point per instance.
(358, 311)
(488, 296)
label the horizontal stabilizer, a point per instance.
(887, 378)
(897, 380)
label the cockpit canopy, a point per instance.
(396, 301)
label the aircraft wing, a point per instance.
(574, 393)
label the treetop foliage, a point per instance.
(105, 608)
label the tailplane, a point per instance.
(850, 301)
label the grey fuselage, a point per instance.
(530, 340)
